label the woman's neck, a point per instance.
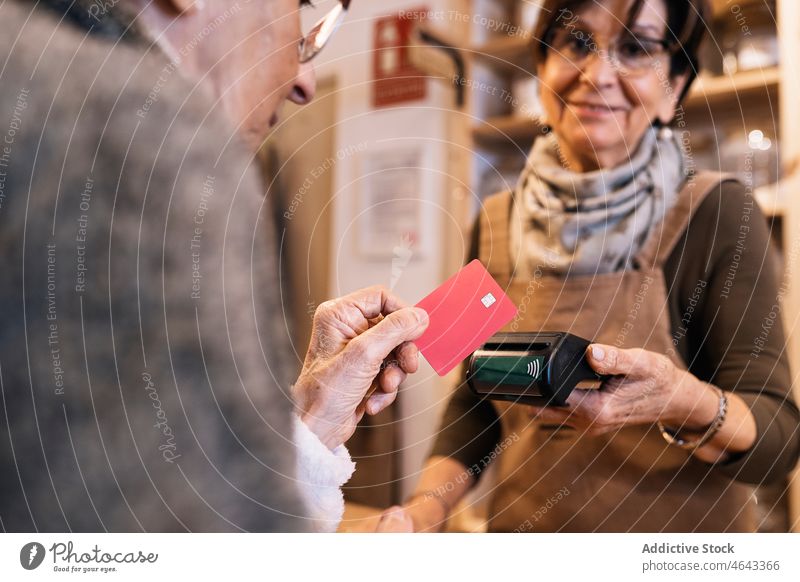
(593, 161)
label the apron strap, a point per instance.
(665, 236)
(495, 244)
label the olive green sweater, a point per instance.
(734, 339)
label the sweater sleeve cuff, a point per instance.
(765, 461)
(320, 476)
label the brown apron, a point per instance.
(549, 478)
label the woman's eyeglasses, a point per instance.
(630, 54)
(318, 37)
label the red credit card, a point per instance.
(464, 312)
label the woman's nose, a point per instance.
(599, 70)
(305, 85)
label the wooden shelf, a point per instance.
(507, 131)
(510, 53)
(771, 205)
(772, 198)
(710, 91)
(723, 7)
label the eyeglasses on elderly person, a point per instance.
(630, 53)
(316, 39)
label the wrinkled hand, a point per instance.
(359, 354)
(646, 387)
(395, 520)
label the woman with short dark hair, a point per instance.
(611, 234)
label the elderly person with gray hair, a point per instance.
(143, 356)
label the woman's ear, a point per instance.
(541, 89)
(669, 104)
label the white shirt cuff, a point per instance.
(321, 473)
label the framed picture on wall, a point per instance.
(389, 213)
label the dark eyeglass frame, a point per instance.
(316, 39)
(666, 45)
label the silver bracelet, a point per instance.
(671, 436)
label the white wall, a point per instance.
(348, 57)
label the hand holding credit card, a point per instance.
(464, 312)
